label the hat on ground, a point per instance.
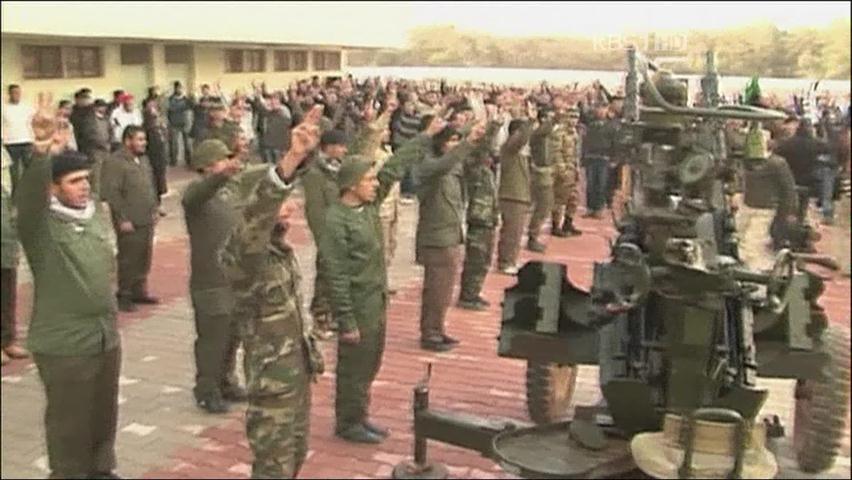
(660, 454)
(351, 171)
(209, 152)
(68, 162)
(333, 137)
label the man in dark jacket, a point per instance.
(277, 122)
(597, 150)
(129, 189)
(180, 122)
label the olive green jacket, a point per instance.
(128, 188)
(515, 168)
(69, 253)
(441, 192)
(352, 252)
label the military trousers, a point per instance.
(358, 365)
(542, 196)
(134, 261)
(389, 229)
(479, 248)
(841, 235)
(320, 307)
(8, 297)
(565, 193)
(279, 406)
(514, 218)
(440, 265)
(216, 346)
(81, 413)
(97, 159)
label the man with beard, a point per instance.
(128, 187)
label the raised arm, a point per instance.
(517, 140)
(32, 197)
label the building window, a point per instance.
(61, 62)
(177, 54)
(237, 61)
(291, 61)
(135, 54)
(255, 61)
(82, 62)
(41, 62)
(326, 61)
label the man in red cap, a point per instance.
(122, 118)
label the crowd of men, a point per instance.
(486, 164)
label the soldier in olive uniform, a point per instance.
(353, 262)
(9, 264)
(128, 187)
(320, 184)
(280, 354)
(513, 194)
(542, 144)
(210, 217)
(482, 218)
(220, 127)
(566, 175)
(72, 333)
(768, 185)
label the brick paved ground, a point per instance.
(163, 435)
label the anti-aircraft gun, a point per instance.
(680, 328)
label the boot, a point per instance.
(360, 434)
(474, 305)
(213, 403)
(558, 231)
(377, 429)
(534, 245)
(125, 304)
(234, 393)
(569, 229)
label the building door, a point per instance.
(178, 63)
(136, 69)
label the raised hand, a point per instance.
(435, 126)
(477, 132)
(44, 120)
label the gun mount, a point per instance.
(678, 326)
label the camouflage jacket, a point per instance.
(481, 185)
(266, 280)
(566, 147)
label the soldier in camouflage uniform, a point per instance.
(280, 355)
(566, 175)
(482, 218)
(221, 128)
(542, 146)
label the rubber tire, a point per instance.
(821, 407)
(550, 390)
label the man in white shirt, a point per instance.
(122, 118)
(17, 132)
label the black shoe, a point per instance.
(126, 305)
(436, 345)
(234, 393)
(213, 403)
(483, 302)
(146, 300)
(471, 305)
(559, 232)
(534, 245)
(569, 229)
(360, 434)
(377, 429)
(450, 340)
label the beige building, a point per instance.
(61, 47)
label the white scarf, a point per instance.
(73, 213)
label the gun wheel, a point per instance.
(550, 389)
(822, 407)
